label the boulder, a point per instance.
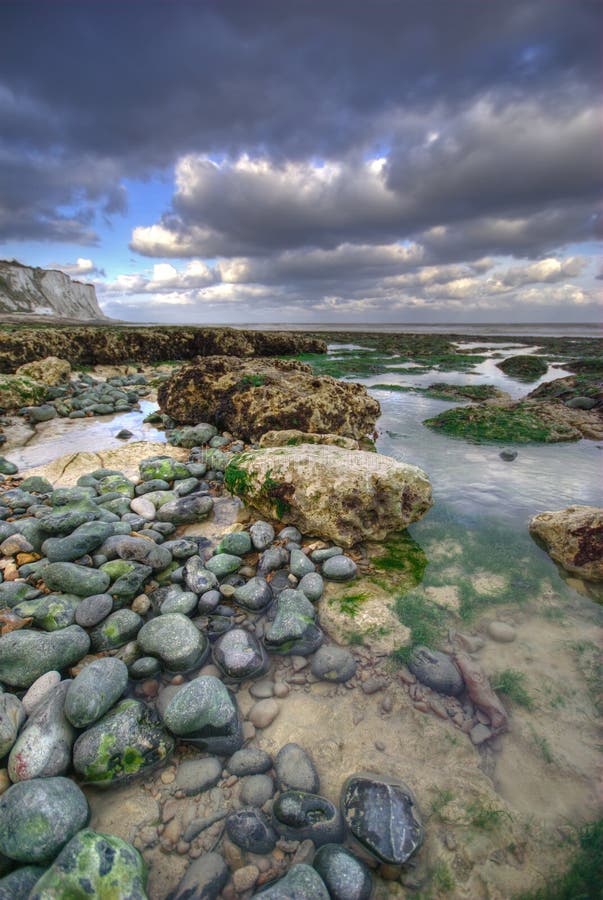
(27, 654)
(17, 391)
(340, 495)
(50, 371)
(291, 437)
(573, 537)
(250, 397)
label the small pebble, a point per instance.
(263, 713)
(501, 632)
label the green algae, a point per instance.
(523, 367)
(516, 424)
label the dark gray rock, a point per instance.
(50, 611)
(239, 654)
(312, 586)
(251, 830)
(254, 596)
(204, 878)
(256, 790)
(574, 403)
(261, 534)
(236, 542)
(92, 610)
(197, 578)
(223, 564)
(13, 592)
(293, 631)
(249, 761)
(301, 882)
(135, 549)
(197, 775)
(84, 539)
(209, 601)
(39, 816)
(382, 816)
(295, 770)
(186, 510)
(300, 816)
(436, 670)
(332, 663)
(346, 877)
(145, 667)
(205, 713)
(116, 630)
(18, 884)
(272, 559)
(299, 564)
(508, 455)
(73, 579)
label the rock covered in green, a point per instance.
(38, 817)
(126, 742)
(50, 611)
(294, 630)
(116, 630)
(17, 885)
(74, 579)
(94, 865)
(301, 882)
(205, 713)
(27, 654)
(346, 877)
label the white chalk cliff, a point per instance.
(45, 292)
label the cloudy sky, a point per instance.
(254, 161)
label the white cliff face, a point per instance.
(45, 292)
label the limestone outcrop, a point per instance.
(342, 495)
(573, 537)
(45, 292)
(251, 396)
(51, 371)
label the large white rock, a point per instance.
(343, 495)
(573, 537)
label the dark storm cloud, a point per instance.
(130, 87)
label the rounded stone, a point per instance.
(251, 830)
(436, 670)
(40, 689)
(263, 713)
(239, 654)
(39, 816)
(116, 630)
(43, 748)
(204, 711)
(174, 640)
(301, 882)
(197, 578)
(204, 878)
(300, 816)
(73, 579)
(332, 663)
(299, 564)
(236, 542)
(223, 564)
(27, 654)
(95, 690)
(382, 816)
(92, 610)
(249, 761)
(346, 877)
(339, 568)
(256, 790)
(312, 586)
(197, 775)
(295, 770)
(508, 455)
(255, 595)
(12, 716)
(501, 632)
(145, 667)
(262, 535)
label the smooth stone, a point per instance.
(203, 711)
(299, 564)
(27, 654)
(39, 690)
(262, 689)
(261, 534)
(295, 770)
(236, 542)
(38, 817)
(263, 713)
(43, 749)
(84, 539)
(382, 816)
(312, 586)
(185, 603)
(223, 564)
(508, 455)
(501, 632)
(249, 761)
(272, 559)
(186, 486)
(209, 601)
(324, 553)
(13, 592)
(436, 670)
(239, 654)
(18, 885)
(74, 579)
(251, 830)
(339, 568)
(197, 775)
(301, 882)
(574, 403)
(94, 691)
(332, 663)
(346, 876)
(256, 790)
(117, 629)
(92, 610)
(152, 486)
(204, 879)
(197, 578)
(7, 467)
(12, 716)
(255, 595)
(480, 733)
(66, 519)
(300, 816)
(135, 549)
(126, 742)
(293, 630)
(181, 548)
(174, 640)
(145, 667)
(290, 533)
(50, 611)
(94, 865)
(186, 510)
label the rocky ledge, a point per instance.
(573, 537)
(250, 397)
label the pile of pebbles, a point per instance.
(124, 640)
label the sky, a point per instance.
(279, 161)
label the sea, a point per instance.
(503, 329)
